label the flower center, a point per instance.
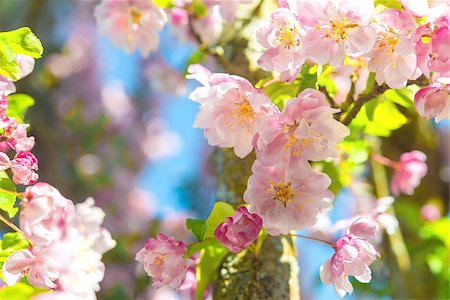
(338, 28)
(135, 16)
(292, 139)
(243, 112)
(287, 37)
(283, 191)
(388, 39)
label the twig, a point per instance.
(311, 238)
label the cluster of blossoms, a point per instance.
(395, 45)
(134, 24)
(67, 244)
(24, 164)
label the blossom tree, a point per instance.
(297, 98)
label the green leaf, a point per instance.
(12, 242)
(280, 92)
(199, 8)
(8, 200)
(8, 66)
(395, 4)
(23, 41)
(197, 227)
(403, 97)
(196, 58)
(210, 260)
(164, 3)
(18, 105)
(308, 78)
(220, 211)
(19, 291)
(193, 248)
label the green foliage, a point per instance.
(18, 105)
(12, 242)
(381, 115)
(199, 8)
(164, 3)
(19, 291)
(196, 247)
(308, 78)
(280, 92)
(7, 200)
(326, 81)
(220, 211)
(197, 227)
(196, 58)
(19, 41)
(210, 260)
(389, 4)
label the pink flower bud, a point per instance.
(354, 254)
(433, 101)
(239, 231)
(430, 213)
(363, 227)
(409, 172)
(44, 212)
(23, 167)
(163, 261)
(179, 16)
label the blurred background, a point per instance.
(118, 127)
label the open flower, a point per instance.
(433, 101)
(305, 129)
(409, 172)
(163, 261)
(287, 198)
(44, 213)
(433, 50)
(131, 24)
(393, 58)
(231, 109)
(239, 231)
(339, 28)
(353, 256)
(282, 37)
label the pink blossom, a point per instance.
(433, 51)
(305, 129)
(231, 109)
(5, 162)
(287, 198)
(70, 263)
(408, 173)
(131, 24)
(26, 65)
(17, 136)
(163, 261)
(393, 58)
(428, 8)
(353, 256)
(283, 38)
(430, 213)
(239, 231)
(44, 212)
(179, 16)
(23, 167)
(339, 28)
(210, 27)
(433, 101)
(24, 261)
(228, 8)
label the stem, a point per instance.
(311, 238)
(385, 161)
(18, 195)
(13, 227)
(274, 80)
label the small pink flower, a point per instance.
(179, 16)
(433, 101)
(340, 28)
(231, 109)
(163, 261)
(239, 231)
(44, 212)
(23, 167)
(430, 213)
(287, 198)
(16, 135)
(408, 173)
(283, 38)
(433, 50)
(210, 27)
(353, 256)
(24, 261)
(393, 59)
(305, 129)
(131, 24)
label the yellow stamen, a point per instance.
(283, 191)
